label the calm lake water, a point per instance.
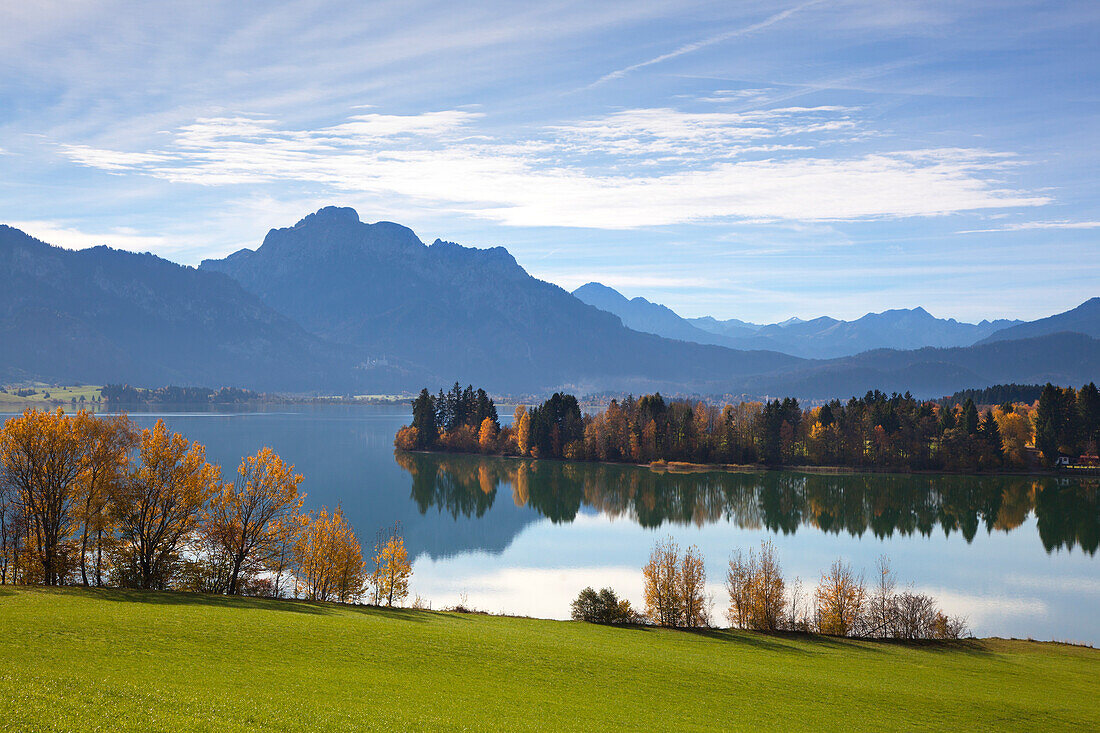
(1017, 555)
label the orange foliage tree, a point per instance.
(43, 456)
(250, 518)
(162, 501)
(108, 442)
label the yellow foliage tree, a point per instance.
(663, 601)
(108, 442)
(392, 569)
(521, 430)
(840, 599)
(251, 518)
(1017, 433)
(692, 589)
(42, 455)
(487, 436)
(757, 590)
(162, 501)
(327, 559)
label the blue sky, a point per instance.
(757, 160)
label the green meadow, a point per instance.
(73, 659)
(58, 396)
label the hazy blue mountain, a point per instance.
(817, 338)
(1085, 319)
(99, 315)
(1061, 358)
(642, 315)
(730, 327)
(335, 305)
(461, 313)
(824, 337)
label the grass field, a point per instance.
(75, 659)
(59, 395)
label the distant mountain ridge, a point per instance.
(333, 305)
(1085, 319)
(642, 315)
(99, 315)
(818, 338)
(462, 313)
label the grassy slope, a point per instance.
(84, 660)
(59, 396)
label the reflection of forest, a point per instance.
(1067, 511)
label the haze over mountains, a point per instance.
(334, 305)
(818, 338)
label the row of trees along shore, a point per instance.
(877, 430)
(95, 501)
(759, 598)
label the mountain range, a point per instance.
(335, 305)
(818, 338)
(103, 315)
(459, 313)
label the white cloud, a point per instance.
(62, 235)
(603, 173)
(1031, 225)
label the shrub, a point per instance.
(602, 607)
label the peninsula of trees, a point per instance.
(876, 431)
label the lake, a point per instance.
(1016, 555)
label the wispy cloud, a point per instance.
(1024, 226)
(633, 168)
(703, 43)
(64, 235)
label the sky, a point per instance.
(753, 160)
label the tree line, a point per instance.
(892, 432)
(124, 394)
(760, 598)
(96, 501)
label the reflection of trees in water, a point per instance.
(1068, 512)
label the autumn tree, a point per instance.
(161, 502)
(840, 601)
(12, 531)
(675, 587)
(407, 438)
(108, 442)
(42, 455)
(250, 518)
(390, 579)
(757, 591)
(663, 602)
(692, 589)
(327, 558)
(1016, 433)
(487, 436)
(738, 586)
(521, 430)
